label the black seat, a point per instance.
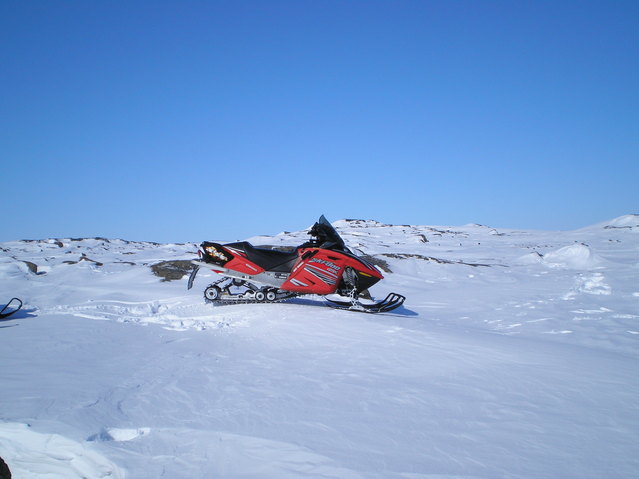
(269, 259)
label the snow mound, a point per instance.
(590, 283)
(530, 258)
(594, 284)
(33, 455)
(13, 269)
(626, 221)
(577, 256)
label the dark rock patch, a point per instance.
(172, 270)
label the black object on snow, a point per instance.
(4, 315)
(5, 473)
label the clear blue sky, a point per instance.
(192, 120)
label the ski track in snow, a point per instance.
(515, 356)
(171, 314)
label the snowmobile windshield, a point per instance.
(327, 236)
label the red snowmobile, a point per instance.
(322, 266)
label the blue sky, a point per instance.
(191, 120)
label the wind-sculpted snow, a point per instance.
(34, 454)
(577, 256)
(515, 356)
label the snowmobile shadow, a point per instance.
(401, 311)
(404, 311)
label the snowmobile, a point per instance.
(321, 266)
(13, 309)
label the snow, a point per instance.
(515, 356)
(626, 221)
(34, 454)
(578, 256)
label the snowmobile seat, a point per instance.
(269, 259)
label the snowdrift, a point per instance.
(577, 256)
(627, 221)
(32, 454)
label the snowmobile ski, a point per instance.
(4, 315)
(391, 302)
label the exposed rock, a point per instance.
(379, 262)
(85, 258)
(172, 270)
(32, 266)
(430, 258)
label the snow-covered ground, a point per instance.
(516, 355)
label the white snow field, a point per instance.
(516, 355)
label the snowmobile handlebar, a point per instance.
(325, 236)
